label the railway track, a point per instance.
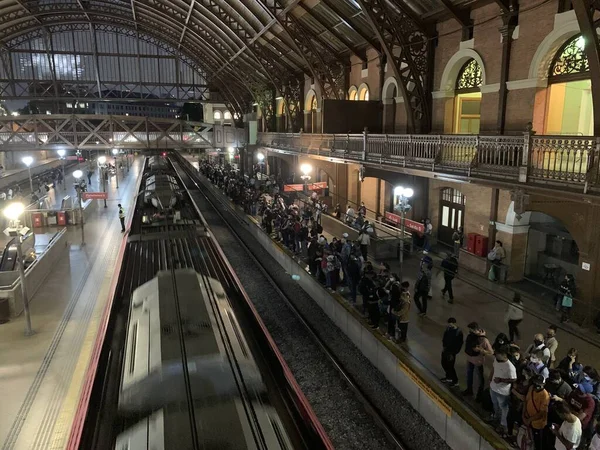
(349, 409)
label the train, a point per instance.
(213, 372)
(161, 188)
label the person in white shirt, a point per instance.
(514, 316)
(350, 215)
(538, 344)
(502, 376)
(568, 436)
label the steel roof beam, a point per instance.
(369, 39)
(362, 54)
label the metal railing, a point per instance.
(527, 158)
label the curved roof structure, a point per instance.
(240, 45)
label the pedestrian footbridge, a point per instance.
(99, 132)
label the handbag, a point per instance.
(492, 255)
(567, 302)
(524, 438)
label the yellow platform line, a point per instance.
(64, 422)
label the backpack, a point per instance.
(319, 228)
(471, 342)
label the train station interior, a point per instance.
(307, 224)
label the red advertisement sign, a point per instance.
(94, 196)
(410, 225)
(300, 187)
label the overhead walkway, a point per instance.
(41, 376)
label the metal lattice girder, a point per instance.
(409, 51)
(96, 132)
(294, 103)
(330, 73)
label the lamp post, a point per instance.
(115, 152)
(403, 195)
(61, 154)
(13, 212)
(77, 175)
(28, 161)
(305, 169)
(102, 165)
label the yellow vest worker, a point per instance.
(122, 218)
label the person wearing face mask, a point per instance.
(502, 377)
(556, 386)
(538, 344)
(535, 410)
(537, 365)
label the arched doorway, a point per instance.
(467, 100)
(551, 250)
(311, 113)
(452, 214)
(569, 108)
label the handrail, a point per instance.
(518, 158)
(52, 242)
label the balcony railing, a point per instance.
(529, 158)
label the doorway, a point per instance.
(452, 214)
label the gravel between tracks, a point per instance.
(343, 416)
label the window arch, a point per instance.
(570, 62)
(569, 103)
(313, 103)
(227, 115)
(353, 93)
(363, 93)
(470, 77)
(217, 115)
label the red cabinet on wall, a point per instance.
(471, 238)
(481, 245)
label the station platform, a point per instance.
(476, 299)
(41, 376)
(21, 174)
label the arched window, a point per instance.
(313, 103)
(227, 115)
(217, 115)
(353, 95)
(467, 105)
(363, 93)
(570, 62)
(470, 77)
(569, 108)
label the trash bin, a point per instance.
(37, 219)
(4, 310)
(61, 218)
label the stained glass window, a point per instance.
(571, 60)
(470, 76)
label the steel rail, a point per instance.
(368, 404)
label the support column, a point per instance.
(506, 31)
(493, 218)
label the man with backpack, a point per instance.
(538, 344)
(368, 290)
(477, 347)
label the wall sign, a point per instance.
(586, 266)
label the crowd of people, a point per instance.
(538, 400)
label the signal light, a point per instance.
(164, 153)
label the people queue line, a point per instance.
(537, 400)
